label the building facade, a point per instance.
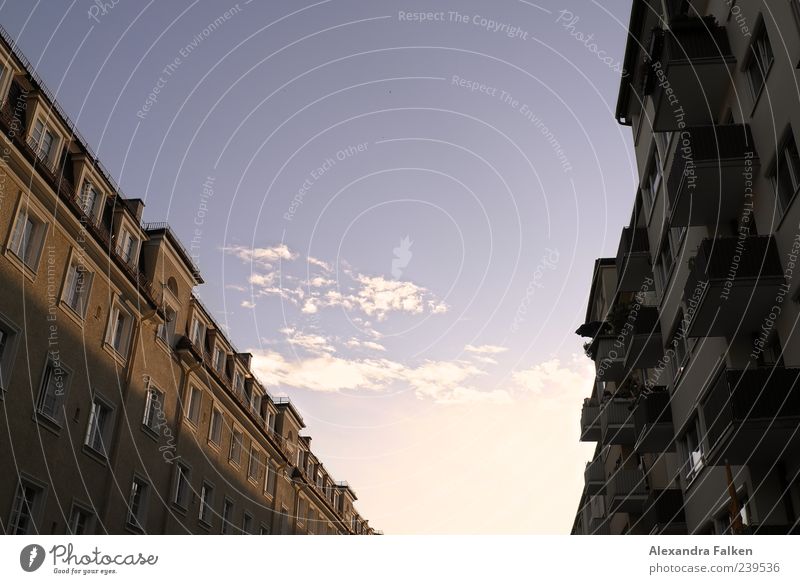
(693, 325)
(125, 408)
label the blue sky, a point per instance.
(403, 223)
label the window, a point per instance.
(215, 427)
(99, 427)
(320, 479)
(198, 334)
(263, 530)
(670, 250)
(43, 141)
(772, 354)
(119, 330)
(655, 175)
(227, 514)
(166, 330)
(284, 520)
(80, 521)
(193, 408)
(760, 61)
(77, 286)
(694, 450)
(271, 480)
(247, 523)
(153, 409)
(253, 463)
(182, 486)
(786, 174)
(681, 345)
(27, 237)
(206, 503)
(238, 383)
(237, 439)
(336, 501)
(23, 512)
(89, 199)
(126, 247)
(53, 390)
(219, 359)
(302, 510)
(8, 336)
(137, 503)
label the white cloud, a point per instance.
(319, 263)
(379, 296)
(355, 343)
(485, 349)
(311, 343)
(554, 379)
(265, 256)
(310, 306)
(248, 304)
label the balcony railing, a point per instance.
(708, 177)
(594, 476)
(644, 347)
(633, 259)
(590, 422)
(616, 422)
(732, 285)
(653, 421)
(749, 413)
(626, 491)
(689, 72)
(663, 513)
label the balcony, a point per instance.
(594, 476)
(590, 422)
(633, 259)
(652, 420)
(708, 178)
(732, 286)
(752, 414)
(689, 73)
(663, 513)
(616, 422)
(626, 491)
(644, 347)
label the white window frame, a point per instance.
(760, 54)
(237, 446)
(137, 519)
(151, 420)
(9, 336)
(216, 425)
(51, 369)
(117, 310)
(205, 512)
(27, 248)
(39, 130)
(95, 433)
(194, 405)
(20, 503)
(127, 245)
(180, 495)
(227, 516)
(74, 291)
(72, 524)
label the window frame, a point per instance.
(117, 309)
(90, 518)
(216, 414)
(56, 417)
(37, 238)
(75, 260)
(753, 57)
(105, 432)
(194, 399)
(205, 512)
(8, 351)
(137, 521)
(149, 406)
(237, 460)
(782, 158)
(34, 507)
(182, 476)
(226, 516)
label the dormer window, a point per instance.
(126, 246)
(198, 335)
(219, 359)
(238, 383)
(89, 199)
(43, 141)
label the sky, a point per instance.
(396, 207)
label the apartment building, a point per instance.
(125, 407)
(693, 325)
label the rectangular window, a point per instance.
(655, 174)
(53, 390)
(284, 520)
(219, 359)
(119, 330)
(227, 516)
(166, 330)
(247, 523)
(206, 503)
(27, 237)
(237, 439)
(270, 483)
(153, 408)
(23, 511)
(182, 486)
(77, 287)
(253, 464)
(238, 383)
(694, 451)
(137, 503)
(89, 199)
(8, 336)
(42, 141)
(761, 58)
(99, 428)
(215, 427)
(302, 510)
(198, 334)
(80, 521)
(126, 246)
(263, 530)
(195, 402)
(786, 174)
